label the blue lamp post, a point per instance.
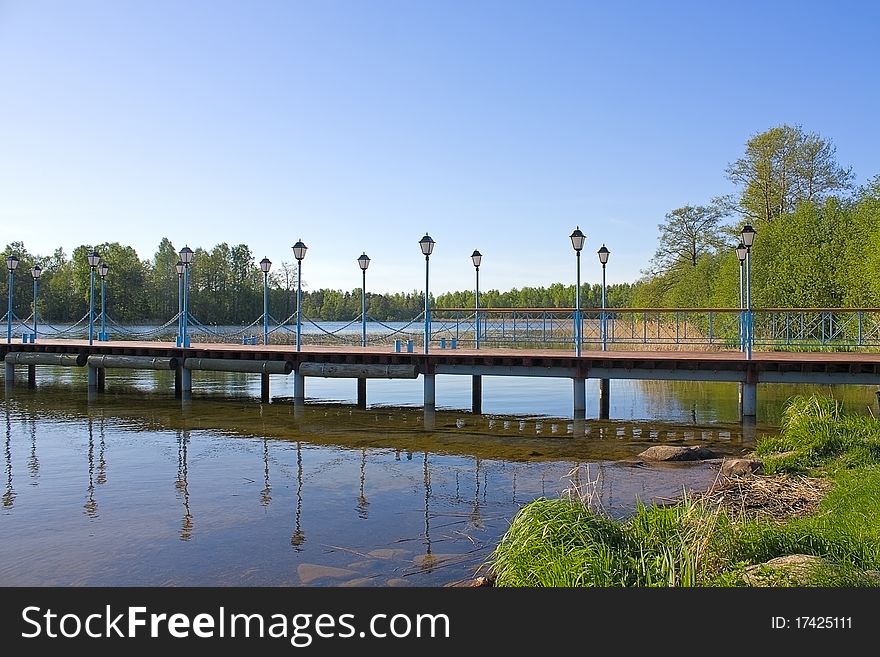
(477, 258)
(265, 266)
(186, 257)
(427, 246)
(603, 258)
(299, 252)
(363, 263)
(741, 256)
(577, 242)
(748, 238)
(36, 272)
(94, 260)
(11, 265)
(180, 267)
(102, 272)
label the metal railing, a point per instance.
(719, 329)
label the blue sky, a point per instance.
(360, 125)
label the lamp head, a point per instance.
(427, 245)
(577, 239)
(299, 250)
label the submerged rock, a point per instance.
(677, 453)
(309, 572)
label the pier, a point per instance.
(380, 361)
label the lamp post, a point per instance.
(477, 258)
(577, 242)
(186, 257)
(102, 272)
(94, 260)
(265, 266)
(363, 263)
(11, 265)
(741, 256)
(299, 252)
(36, 272)
(748, 238)
(427, 246)
(179, 267)
(603, 258)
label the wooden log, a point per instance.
(42, 358)
(237, 365)
(355, 371)
(132, 362)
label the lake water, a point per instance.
(134, 487)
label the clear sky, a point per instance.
(360, 125)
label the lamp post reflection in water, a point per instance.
(186, 526)
(101, 477)
(9, 493)
(266, 493)
(91, 505)
(476, 517)
(299, 536)
(429, 558)
(33, 461)
(363, 503)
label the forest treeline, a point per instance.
(817, 245)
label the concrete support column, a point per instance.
(299, 388)
(580, 397)
(102, 375)
(264, 387)
(477, 394)
(93, 378)
(10, 375)
(749, 432)
(429, 391)
(748, 400)
(429, 418)
(32, 376)
(186, 384)
(604, 398)
(362, 392)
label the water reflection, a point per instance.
(362, 502)
(9, 493)
(266, 493)
(298, 538)
(426, 478)
(182, 485)
(91, 505)
(33, 460)
(424, 521)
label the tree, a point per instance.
(164, 282)
(686, 234)
(783, 167)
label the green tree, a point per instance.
(686, 234)
(781, 168)
(163, 282)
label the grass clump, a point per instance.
(812, 520)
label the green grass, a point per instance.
(565, 542)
